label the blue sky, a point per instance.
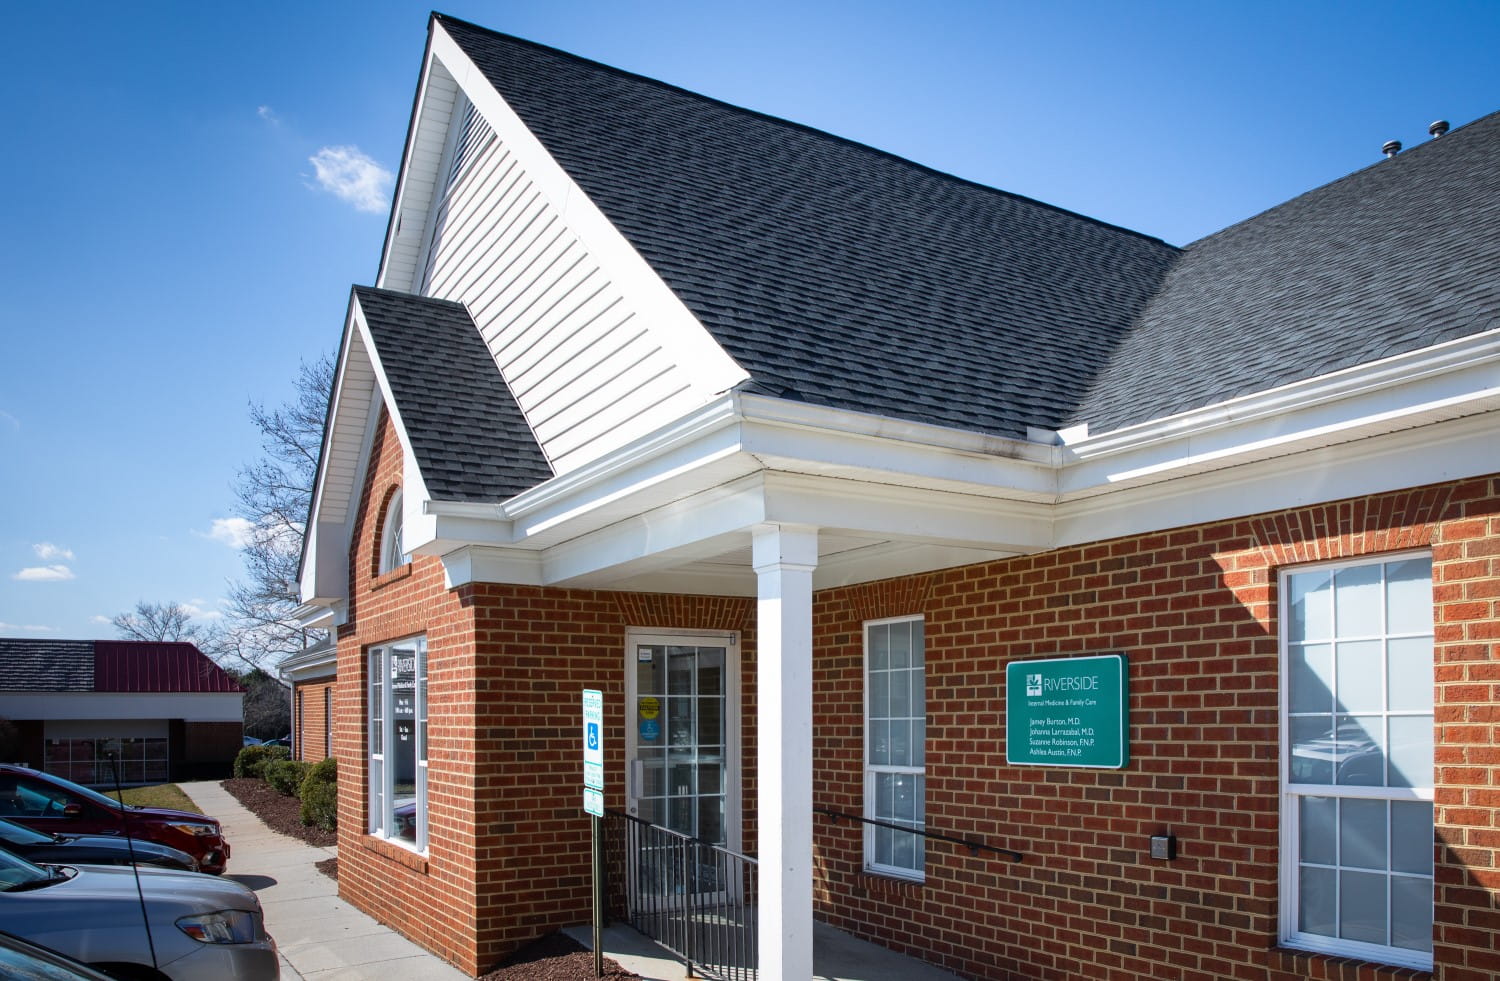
(192, 189)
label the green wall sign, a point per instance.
(1068, 711)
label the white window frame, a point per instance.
(1291, 794)
(382, 777)
(872, 770)
(392, 556)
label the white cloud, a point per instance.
(46, 551)
(96, 618)
(234, 532)
(10, 420)
(268, 114)
(202, 610)
(34, 628)
(352, 176)
(44, 573)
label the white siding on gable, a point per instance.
(583, 363)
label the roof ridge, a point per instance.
(807, 128)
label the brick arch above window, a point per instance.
(1346, 529)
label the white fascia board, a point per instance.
(713, 371)
(671, 462)
(681, 524)
(914, 514)
(480, 563)
(810, 439)
(189, 706)
(1393, 461)
(323, 576)
(410, 172)
(1440, 382)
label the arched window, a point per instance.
(392, 552)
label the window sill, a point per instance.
(395, 575)
(396, 853)
(1297, 961)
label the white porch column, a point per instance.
(784, 557)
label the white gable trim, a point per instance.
(360, 389)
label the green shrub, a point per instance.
(286, 776)
(252, 760)
(320, 795)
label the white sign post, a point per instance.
(593, 803)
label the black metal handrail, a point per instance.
(695, 898)
(974, 847)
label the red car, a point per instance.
(52, 804)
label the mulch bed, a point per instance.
(279, 812)
(555, 957)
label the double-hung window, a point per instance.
(1357, 772)
(398, 741)
(895, 746)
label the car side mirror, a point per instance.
(72, 809)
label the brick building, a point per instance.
(826, 468)
(165, 711)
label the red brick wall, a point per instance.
(508, 850)
(1195, 611)
(431, 899)
(310, 731)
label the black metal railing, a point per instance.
(974, 847)
(695, 898)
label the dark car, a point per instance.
(46, 849)
(47, 803)
(23, 959)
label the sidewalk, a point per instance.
(323, 938)
(320, 937)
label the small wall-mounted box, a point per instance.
(1164, 847)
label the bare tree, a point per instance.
(158, 622)
(274, 494)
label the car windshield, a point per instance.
(19, 834)
(92, 795)
(16, 873)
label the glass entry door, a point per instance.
(682, 725)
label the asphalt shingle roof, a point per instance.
(1393, 258)
(834, 273)
(469, 436)
(46, 665)
(840, 275)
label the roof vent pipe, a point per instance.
(1391, 148)
(1438, 128)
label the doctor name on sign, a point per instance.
(1068, 712)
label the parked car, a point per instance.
(43, 848)
(23, 959)
(250, 741)
(200, 928)
(57, 806)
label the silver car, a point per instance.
(202, 928)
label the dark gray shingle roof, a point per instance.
(833, 273)
(1396, 257)
(839, 275)
(46, 665)
(470, 438)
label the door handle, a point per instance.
(637, 775)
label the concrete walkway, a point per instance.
(323, 938)
(320, 937)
